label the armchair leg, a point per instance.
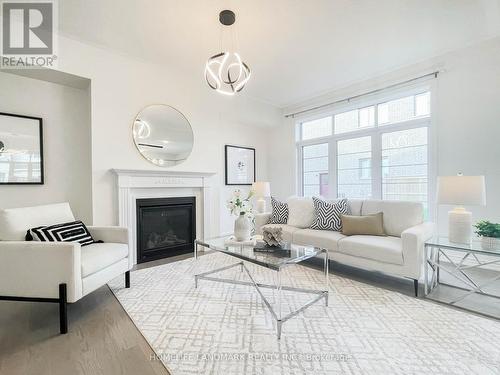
(415, 285)
(63, 312)
(127, 279)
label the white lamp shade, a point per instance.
(462, 190)
(261, 189)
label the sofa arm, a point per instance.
(260, 221)
(109, 234)
(35, 269)
(413, 240)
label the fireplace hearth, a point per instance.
(165, 227)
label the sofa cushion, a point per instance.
(279, 214)
(372, 225)
(398, 215)
(300, 212)
(382, 249)
(326, 239)
(353, 204)
(14, 222)
(287, 230)
(327, 215)
(74, 231)
(99, 256)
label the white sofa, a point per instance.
(61, 272)
(400, 253)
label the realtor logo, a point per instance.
(28, 33)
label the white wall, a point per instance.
(467, 120)
(122, 86)
(66, 133)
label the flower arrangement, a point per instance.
(238, 205)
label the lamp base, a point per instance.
(261, 205)
(460, 226)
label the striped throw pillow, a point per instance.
(74, 231)
(279, 214)
(328, 215)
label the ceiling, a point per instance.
(296, 48)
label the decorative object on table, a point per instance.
(232, 241)
(162, 135)
(242, 207)
(225, 72)
(272, 236)
(461, 191)
(21, 149)
(489, 233)
(261, 191)
(279, 214)
(240, 165)
(368, 225)
(327, 215)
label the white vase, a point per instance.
(242, 228)
(490, 243)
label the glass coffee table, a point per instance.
(274, 261)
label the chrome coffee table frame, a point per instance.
(277, 315)
(437, 248)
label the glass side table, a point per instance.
(462, 263)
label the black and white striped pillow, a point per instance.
(279, 214)
(74, 231)
(327, 215)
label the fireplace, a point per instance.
(165, 227)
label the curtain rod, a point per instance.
(435, 74)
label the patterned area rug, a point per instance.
(226, 329)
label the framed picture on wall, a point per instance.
(240, 165)
(21, 150)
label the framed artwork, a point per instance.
(21, 150)
(240, 165)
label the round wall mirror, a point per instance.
(163, 135)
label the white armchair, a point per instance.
(60, 272)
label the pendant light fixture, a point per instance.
(225, 72)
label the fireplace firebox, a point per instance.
(165, 227)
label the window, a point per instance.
(350, 154)
(378, 150)
(315, 170)
(404, 175)
(317, 128)
(404, 109)
(353, 120)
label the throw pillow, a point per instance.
(372, 225)
(74, 231)
(279, 214)
(301, 212)
(328, 214)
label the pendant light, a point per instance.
(225, 72)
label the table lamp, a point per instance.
(261, 190)
(461, 191)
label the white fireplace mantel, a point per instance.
(136, 184)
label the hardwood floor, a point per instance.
(102, 340)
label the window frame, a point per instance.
(375, 133)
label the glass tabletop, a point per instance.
(270, 258)
(476, 245)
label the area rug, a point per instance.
(226, 329)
